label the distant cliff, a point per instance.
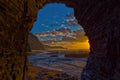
(34, 43)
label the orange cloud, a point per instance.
(76, 45)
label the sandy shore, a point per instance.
(57, 63)
(38, 73)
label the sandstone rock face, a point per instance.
(99, 18)
(34, 43)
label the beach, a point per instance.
(59, 61)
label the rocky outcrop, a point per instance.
(34, 43)
(99, 18)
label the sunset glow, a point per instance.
(59, 30)
(78, 45)
(73, 45)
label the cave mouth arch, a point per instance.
(76, 45)
(100, 20)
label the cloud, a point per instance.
(65, 38)
(70, 21)
(64, 34)
(61, 32)
(77, 35)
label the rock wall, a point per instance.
(99, 18)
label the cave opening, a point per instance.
(58, 40)
(100, 20)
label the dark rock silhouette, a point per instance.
(34, 43)
(99, 18)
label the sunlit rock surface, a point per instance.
(99, 18)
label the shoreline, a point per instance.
(50, 51)
(60, 67)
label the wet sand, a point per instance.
(39, 73)
(57, 61)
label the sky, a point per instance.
(51, 17)
(56, 25)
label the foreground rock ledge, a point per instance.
(99, 18)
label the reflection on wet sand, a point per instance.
(64, 61)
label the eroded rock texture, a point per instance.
(99, 18)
